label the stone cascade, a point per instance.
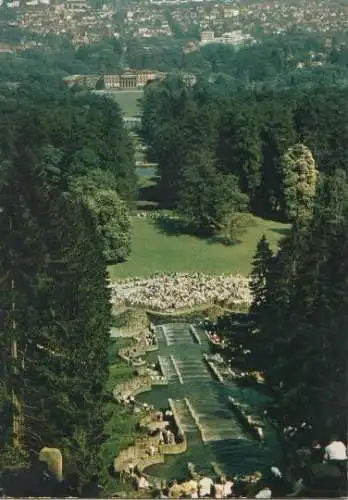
(201, 400)
(192, 370)
(215, 420)
(176, 333)
(184, 415)
(168, 369)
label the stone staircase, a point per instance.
(168, 369)
(184, 416)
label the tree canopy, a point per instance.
(276, 144)
(65, 166)
(301, 319)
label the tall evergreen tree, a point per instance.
(277, 134)
(261, 267)
(304, 305)
(239, 150)
(56, 300)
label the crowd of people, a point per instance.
(319, 468)
(203, 486)
(257, 485)
(335, 453)
(169, 292)
(200, 487)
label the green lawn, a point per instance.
(154, 251)
(127, 100)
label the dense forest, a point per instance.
(241, 142)
(297, 335)
(280, 154)
(300, 308)
(67, 178)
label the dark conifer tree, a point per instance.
(56, 299)
(300, 345)
(277, 134)
(261, 267)
(239, 149)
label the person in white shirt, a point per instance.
(152, 450)
(194, 493)
(336, 454)
(260, 433)
(336, 450)
(264, 493)
(131, 467)
(228, 485)
(276, 472)
(219, 490)
(143, 483)
(205, 486)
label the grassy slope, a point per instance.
(128, 101)
(154, 251)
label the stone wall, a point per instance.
(176, 418)
(138, 453)
(137, 349)
(214, 369)
(249, 424)
(195, 334)
(132, 387)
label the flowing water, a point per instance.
(214, 433)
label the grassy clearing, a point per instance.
(128, 100)
(154, 251)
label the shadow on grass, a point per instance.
(172, 227)
(112, 473)
(213, 240)
(177, 227)
(281, 230)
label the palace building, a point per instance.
(132, 79)
(129, 79)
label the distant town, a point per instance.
(200, 22)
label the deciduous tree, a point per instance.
(300, 181)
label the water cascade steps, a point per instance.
(193, 370)
(168, 369)
(215, 419)
(177, 333)
(214, 433)
(184, 415)
(237, 452)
